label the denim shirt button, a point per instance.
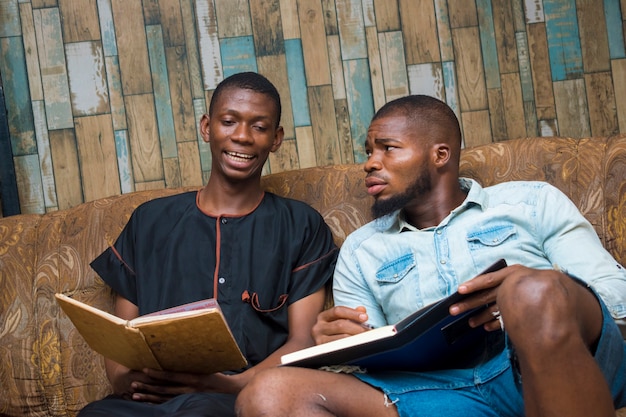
(442, 262)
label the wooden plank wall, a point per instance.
(104, 96)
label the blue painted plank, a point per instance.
(297, 82)
(449, 82)
(360, 103)
(124, 166)
(488, 43)
(9, 19)
(237, 55)
(566, 58)
(8, 181)
(525, 71)
(162, 98)
(107, 29)
(20, 112)
(614, 28)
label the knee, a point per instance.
(538, 308)
(260, 395)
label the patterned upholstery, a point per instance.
(47, 369)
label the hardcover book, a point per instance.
(427, 339)
(190, 338)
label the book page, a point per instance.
(346, 342)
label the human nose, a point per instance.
(372, 163)
(241, 134)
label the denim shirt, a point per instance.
(394, 269)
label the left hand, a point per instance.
(485, 290)
(170, 384)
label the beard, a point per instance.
(421, 185)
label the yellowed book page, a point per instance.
(199, 342)
(108, 335)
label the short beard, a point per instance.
(420, 186)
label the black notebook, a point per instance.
(429, 338)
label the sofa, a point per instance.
(46, 369)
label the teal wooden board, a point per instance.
(524, 66)
(124, 164)
(360, 103)
(237, 55)
(614, 28)
(566, 58)
(450, 86)
(19, 110)
(162, 98)
(297, 82)
(9, 19)
(488, 43)
(199, 108)
(107, 29)
(53, 69)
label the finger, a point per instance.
(481, 298)
(484, 281)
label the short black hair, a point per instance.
(248, 81)
(423, 109)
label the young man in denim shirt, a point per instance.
(560, 353)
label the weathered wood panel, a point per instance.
(325, 138)
(601, 103)
(618, 67)
(419, 26)
(87, 78)
(571, 108)
(66, 165)
(143, 137)
(314, 42)
(470, 72)
(80, 20)
(98, 162)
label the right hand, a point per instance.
(339, 322)
(122, 380)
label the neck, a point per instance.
(223, 198)
(430, 210)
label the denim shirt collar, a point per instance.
(396, 223)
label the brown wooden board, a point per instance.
(476, 129)
(618, 67)
(496, 114)
(505, 35)
(321, 105)
(233, 18)
(180, 93)
(593, 36)
(462, 13)
(172, 22)
(143, 137)
(274, 67)
(98, 162)
(387, 15)
(470, 72)
(314, 42)
(513, 106)
(132, 46)
(80, 20)
(420, 31)
(571, 108)
(66, 168)
(189, 162)
(601, 103)
(30, 50)
(540, 69)
(267, 28)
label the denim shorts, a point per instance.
(492, 388)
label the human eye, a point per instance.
(390, 147)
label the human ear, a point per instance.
(278, 139)
(441, 154)
(204, 127)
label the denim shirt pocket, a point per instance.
(395, 270)
(491, 235)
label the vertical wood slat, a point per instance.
(540, 69)
(53, 68)
(80, 20)
(237, 55)
(351, 29)
(601, 104)
(45, 157)
(297, 82)
(162, 97)
(593, 36)
(267, 28)
(143, 138)
(314, 42)
(360, 103)
(275, 68)
(180, 93)
(419, 27)
(470, 72)
(87, 78)
(30, 47)
(66, 164)
(571, 108)
(325, 138)
(393, 65)
(96, 151)
(618, 67)
(19, 112)
(563, 40)
(130, 37)
(209, 43)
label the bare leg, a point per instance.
(552, 321)
(279, 392)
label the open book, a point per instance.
(427, 339)
(190, 338)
